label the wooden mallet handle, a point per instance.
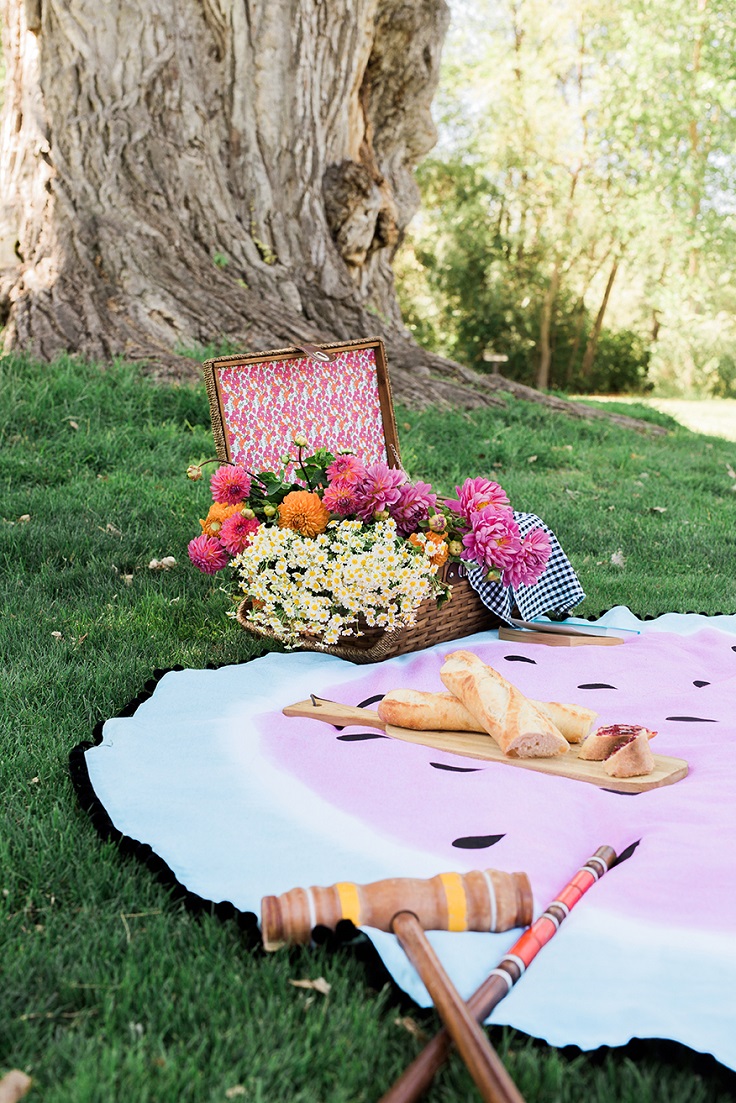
(490, 1076)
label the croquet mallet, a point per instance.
(481, 900)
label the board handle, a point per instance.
(332, 712)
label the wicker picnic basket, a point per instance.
(462, 615)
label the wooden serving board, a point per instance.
(524, 635)
(478, 745)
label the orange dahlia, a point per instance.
(436, 543)
(302, 511)
(218, 513)
(439, 555)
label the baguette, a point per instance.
(502, 710)
(421, 711)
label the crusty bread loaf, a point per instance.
(574, 721)
(605, 741)
(421, 711)
(502, 710)
(633, 758)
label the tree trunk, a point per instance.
(594, 336)
(191, 171)
(545, 328)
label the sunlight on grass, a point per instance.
(714, 417)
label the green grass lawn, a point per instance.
(111, 989)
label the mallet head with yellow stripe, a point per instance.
(481, 900)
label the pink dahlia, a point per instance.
(230, 485)
(237, 532)
(208, 554)
(414, 503)
(478, 493)
(379, 490)
(339, 498)
(531, 561)
(346, 469)
(494, 539)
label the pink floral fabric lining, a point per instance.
(335, 405)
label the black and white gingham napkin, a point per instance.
(557, 591)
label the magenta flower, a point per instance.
(531, 562)
(476, 494)
(494, 539)
(207, 554)
(339, 498)
(379, 490)
(237, 532)
(413, 505)
(230, 485)
(346, 469)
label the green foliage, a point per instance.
(487, 295)
(580, 215)
(111, 990)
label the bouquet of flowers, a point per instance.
(328, 546)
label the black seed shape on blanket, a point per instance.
(358, 737)
(622, 793)
(370, 701)
(477, 842)
(596, 685)
(699, 684)
(456, 769)
(627, 852)
(692, 719)
(519, 659)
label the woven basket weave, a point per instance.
(462, 615)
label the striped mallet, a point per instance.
(418, 1076)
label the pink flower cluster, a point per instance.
(493, 539)
(364, 492)
(230, 485)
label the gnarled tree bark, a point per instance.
(183, 173)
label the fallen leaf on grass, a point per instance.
(318, 985)
(57, 635)
(14, 1085)
(234, 1091)
(72, 424)
(731, 471)
(112, 529)
(164, 564)
(658, 509)
(24, 519)
(532, 459)
(618, 559)
(412, 1027)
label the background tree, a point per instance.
(598, 229)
